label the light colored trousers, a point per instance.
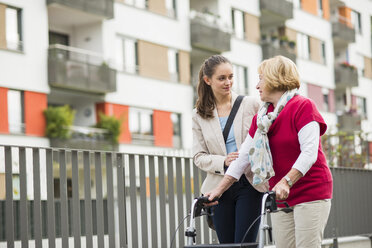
(302, 228)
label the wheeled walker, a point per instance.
(198, 209)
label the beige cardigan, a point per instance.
(209, 150)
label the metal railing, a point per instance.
(210, 20)
(341, 19)
(107, 199)
(79, 69)
(103, 8)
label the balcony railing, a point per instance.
(336, 3)
(77, 69)
(350, 122)
(85, 138)
(271, 49)
(342, 31)
(208, 33)
(142, 139)
(346, 76)
(275, 13)
(17, 128)
(104, 8)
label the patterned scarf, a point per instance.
(260, 154)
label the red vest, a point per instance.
(285, 149)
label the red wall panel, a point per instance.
(35, 104)
(4, 126)
(163, 128)
(119, 111)
(315, 93)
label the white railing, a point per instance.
(78, 54)
(341, 19)
(210, 20)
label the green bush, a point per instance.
(112, 125)
(58, 120)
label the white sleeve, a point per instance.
(308, 138)
(239, 165)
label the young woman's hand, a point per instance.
(231, 157)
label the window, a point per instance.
(303, 48)
(325, 102)
(362, 106)
(141, 125)
(16, 111)
(320, 8)
(127, 55)
(173, 65)
(356, 21)
(240, 85)
(143, 4)
(12, 37)
(176, 121)
(238, 23)
(323, 51)
(171, 8)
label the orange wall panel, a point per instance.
(310, 6)
(345, 14)
(163, 128)
(119, 111)
(35, 104)
(326, 11)
(4, 127)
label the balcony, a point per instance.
(346, 76)
(271, 49)
(77, 69)
(342, 32)
(208, 33)
(350, 122)
(335, 4)
(85, 138)
(275, 13)
(100, 8)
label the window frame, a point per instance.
(174, 76)
(19, 46)
(237, 85)
(121, 66)
(233, 10)
(177, 137)
(22, 125)
(356, 19)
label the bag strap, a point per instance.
(230, 120)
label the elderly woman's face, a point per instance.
(264, 93)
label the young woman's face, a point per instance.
(264, 93)
(222, 80)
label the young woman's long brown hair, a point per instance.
(206, 102)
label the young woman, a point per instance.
(239, 205)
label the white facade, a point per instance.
(28, 69)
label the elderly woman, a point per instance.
(283, 147)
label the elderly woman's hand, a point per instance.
(282, 190)
(213, 195)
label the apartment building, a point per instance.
(138, 60)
